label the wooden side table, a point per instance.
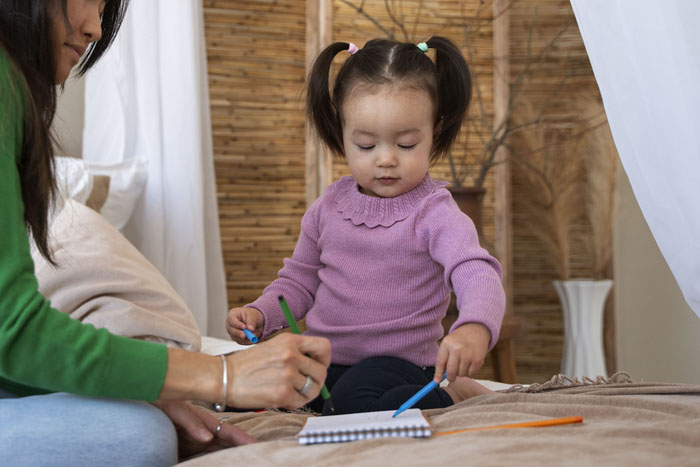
(502, 353)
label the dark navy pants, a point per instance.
(378, 383)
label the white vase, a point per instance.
(582, 302)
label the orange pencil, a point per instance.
(539, 423)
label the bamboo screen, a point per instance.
(255, 52)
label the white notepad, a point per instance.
(365, 425)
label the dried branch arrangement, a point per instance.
(570, 178)
(600, 165)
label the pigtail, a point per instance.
(320, 106)
(454, 92)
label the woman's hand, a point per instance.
(241, 318)
(271, 374)
(462, 352)
(266, 375)
(196, 429)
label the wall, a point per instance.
(70, 117)
(658, 335)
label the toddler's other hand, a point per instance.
(241, 318)
(462, 352)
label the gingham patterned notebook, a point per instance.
(366, 425)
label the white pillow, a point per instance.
(127, 179)
(73, 179)
(104, 280)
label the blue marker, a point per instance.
(418, 396)
(251, 337)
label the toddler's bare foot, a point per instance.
(463, 388)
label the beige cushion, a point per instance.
(104, 280)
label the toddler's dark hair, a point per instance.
(384, 61)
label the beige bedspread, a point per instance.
(624, 423)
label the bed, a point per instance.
(105, 281)
(624, 423)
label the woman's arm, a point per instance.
(266, 375)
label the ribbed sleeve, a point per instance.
(469, 270)
(41, 349)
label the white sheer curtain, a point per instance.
(147, 102)
(645, 56)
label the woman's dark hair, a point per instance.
(26, 28)
(384, 61)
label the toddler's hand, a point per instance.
(241, 318)
(462, 352)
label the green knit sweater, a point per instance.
(41, 349)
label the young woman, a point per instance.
(68, 391)
(379, 251)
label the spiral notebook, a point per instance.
(365, 425)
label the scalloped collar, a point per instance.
(373, 211)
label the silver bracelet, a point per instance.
(222, 405)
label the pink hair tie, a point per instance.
(352, 48)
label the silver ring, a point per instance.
(307, 386)
(221, 422)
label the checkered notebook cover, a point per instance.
(367, 425)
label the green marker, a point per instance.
(295, 329)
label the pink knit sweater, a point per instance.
(373, 275)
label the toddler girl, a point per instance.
(379, 252)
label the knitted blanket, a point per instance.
(624, 423)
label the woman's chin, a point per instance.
(62, 75)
